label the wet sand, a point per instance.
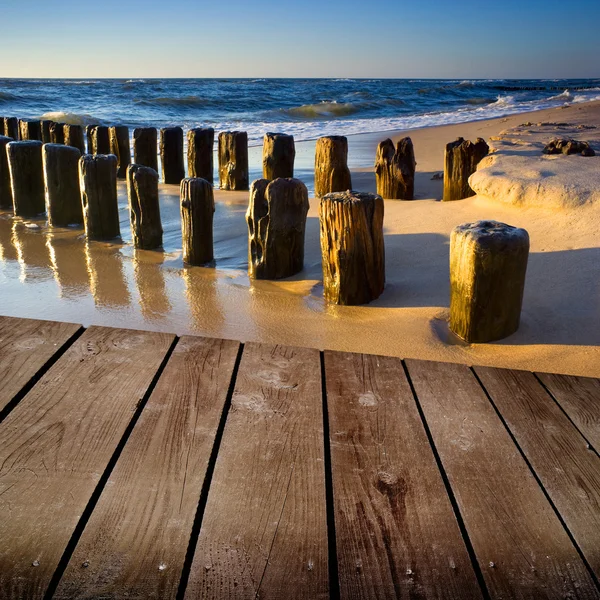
(58, 275)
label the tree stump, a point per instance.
(331, 165)
(488, 262)
(197, 211)
(144, 208)
(57, 133)
(11, 128)
(6, 199)
(119, 146)
(30, 130)
(45, 127)
(100, 140)
(233, 160)
(352, 247)
(460, 162)
(26, 177)
(201, 143)
(395, 170)
(61, 177)
(276, 220)
(171, 154)
(98, 184)
(145, 147)
(278, 157)
(73, 136)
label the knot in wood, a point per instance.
(389, 484)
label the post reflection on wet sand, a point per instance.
(69, 262)
(203, 300)
(7, 250)
(150, 283)
(106, 275)
(31, 252)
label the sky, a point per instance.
(309, 38)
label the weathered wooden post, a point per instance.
(119, 146)
(57, 133)
(73, 136)
(331, 165)
(145, 147)
(488, 262)
(11, 128)
(100, 140)
(171, 154)
(352, 247)
(278, 157)
(201, 143)
(30, 129)
(197, 211)
(144, 208)
(98, 184)
(276, 220)
(6, 200)
(395, 169)
(45, 127)
(233, 160)
(26, 177)
(460, 162)
(89, 129)
(61, 178)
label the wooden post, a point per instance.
(6, 200)
(119, 146)
(197, 211)
(331, 165)
(145, 147)
(144, 209)
(98, 184)
(45, 127)
(460, 162)
(11, 128)
(171, 154)
(73, 136)
(30, 130)
(26, 177)
(233, 160)
(395, 169)
(89, 138)
(61, 177)
(352, 247)
(276, 220)
(100, 140)
(279, 153)
(201, 143)
(488, 262)
(57, 133)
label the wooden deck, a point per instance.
(141, 465)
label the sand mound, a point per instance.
(518, 172)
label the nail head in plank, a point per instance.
(264, 530)
(520, 544)
(397, 534)
(56, 444)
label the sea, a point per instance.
(305, 108)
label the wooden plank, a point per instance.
(397, 534)
(521, 546)
(568, 470)
(26, 345)
(264, 530)
(56, 444)
(135, 543)
(579, 397)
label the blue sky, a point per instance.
(311, 38)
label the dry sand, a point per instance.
(56, 275)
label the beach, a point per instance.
(57, 275)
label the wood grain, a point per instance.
(135, 543)
(397, 535)
(521, 546)
(56, 444)
(264, 531)
(568, 470)
(26, 345)
(579, 397)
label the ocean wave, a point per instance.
(480, 101)
(185, 101)
(8, 97)
(566, 95)
(71, 118)
(321, 110)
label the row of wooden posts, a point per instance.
(394, 165)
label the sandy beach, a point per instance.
(57, 275)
